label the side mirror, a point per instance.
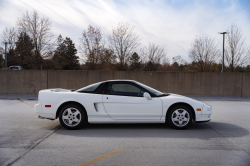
(147, 96)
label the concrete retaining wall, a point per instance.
(23, 81)
(246, 84)
(31, 81)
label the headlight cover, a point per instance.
(209, 108)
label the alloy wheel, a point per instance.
(71, 117)
(180, 117)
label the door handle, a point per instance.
(107, 98)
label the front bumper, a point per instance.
(203, 118)
(202, 121)
(205, 115)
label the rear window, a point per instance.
(90, 88)
(14, 67)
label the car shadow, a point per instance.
(196, 130)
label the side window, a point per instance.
(89, 89)
(103, 89)
(124, 89)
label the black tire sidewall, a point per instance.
(169, 119)
(83, 116)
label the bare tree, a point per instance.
(178, 64)
(9, 36)
(203, 53)
(39, 29)
(178, 59)
(92, 47)
(1, 50)
(247, 57)
(236, 53)
(108, 60)
(123, 41)
(154, 55)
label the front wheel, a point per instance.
(72, 116)
(180, 117)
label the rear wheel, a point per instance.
(72, 116)
(180, 117)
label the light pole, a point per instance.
(223, 50)
(5, 66)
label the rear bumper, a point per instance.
(41, 115)
(38, 109)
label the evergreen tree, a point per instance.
(1, 57)
(135, 62)
(1, 61)
(57, 60)
(65, 55)
(24, 51)
(150, 66)
(12, 58)
(71, 60)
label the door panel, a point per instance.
(128, 107)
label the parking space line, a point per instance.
(25, 102)
(100, 158)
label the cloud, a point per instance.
(172, 23)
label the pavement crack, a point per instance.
(227, 139)
(32, 147)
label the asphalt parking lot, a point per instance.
(27, 140)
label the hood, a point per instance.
(176, 95)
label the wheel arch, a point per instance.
(180, 103)
(70, 102)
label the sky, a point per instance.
(171, 23)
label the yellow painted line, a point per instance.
(100, 158)
(25, 102)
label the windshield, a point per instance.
(90, 88)
(154, 91)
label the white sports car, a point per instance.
(119, 101)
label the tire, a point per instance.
(72, 116)
(180, 117)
